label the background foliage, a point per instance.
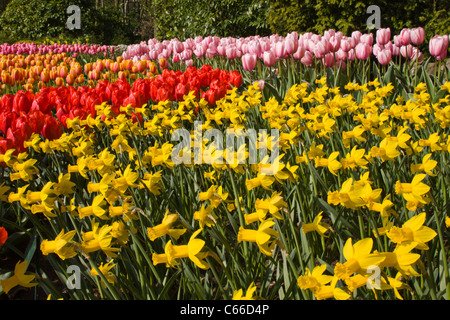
(131, 21)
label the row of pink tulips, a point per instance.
(332, 48)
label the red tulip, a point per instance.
(3, 236)
(52, 129)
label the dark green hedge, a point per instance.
(165, 19)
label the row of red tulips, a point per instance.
(26, 113)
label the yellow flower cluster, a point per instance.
(343, 143)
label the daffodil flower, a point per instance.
(249, 295)
(413, 192)
(99, 239)
(320, 227)
(205, 217)
(62, 245)
(19, 278)
(413, 230)
(264, 236)
(358, 258)
(194, 250)
(166, 227)
(105, 269)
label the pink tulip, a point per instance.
(176, 58)
(395, 50)
(362, 51)
(405, 36)
(221, 50)
(438, 46)
(269, 58)
(341, 55)
(299, 53)
(383, 36)
(249, 61)
(417, 35)
(307, 58)
(334, 43)
(321, 48)
(406, 51)
(346, 44)
(290, 44)
(231, 53)
(254, 48)
(377, 48)
(357, 36)
(384, 56)
(328, 60)
(280, 49)
(351, 54)
(186, 54)
(367, 38)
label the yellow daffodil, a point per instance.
(413, 230)
(166, 227)
(194, 250)
(105, 269)
(413, 192)
(19, 278)
(99, 238)
(62, 245)
(249, 295)
(320, 227)
(426, 166)
(214, 194)
(205, 216)
(358, 258)
(264, 236)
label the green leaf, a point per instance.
(31, 248)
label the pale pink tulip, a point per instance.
(417, 35)
(406, 51)
(405, 36)
(384, 56)
(307, 58)
(249, 61)
(328, 60)
(383, 36)
(362, 51)
(269, 58)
